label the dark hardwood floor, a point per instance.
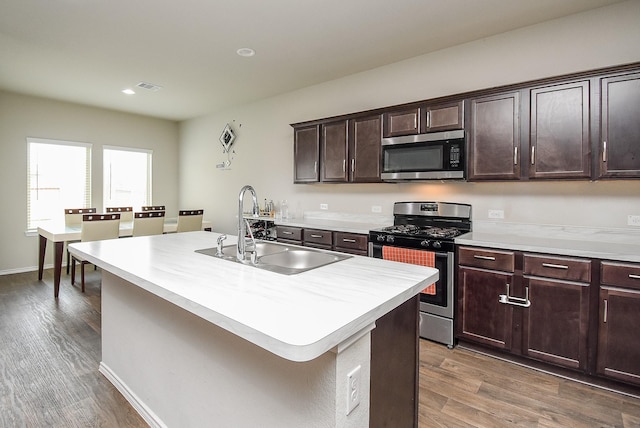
(50, 351)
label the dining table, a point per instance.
(58, 233)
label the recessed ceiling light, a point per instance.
(128, 91)
(246, 52)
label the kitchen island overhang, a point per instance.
(323, 315)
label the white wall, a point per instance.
(24, 116)
(264, 148)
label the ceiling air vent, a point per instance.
(149, 86)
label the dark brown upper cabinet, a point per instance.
(494, 137)
(401, 122)
(442, 117)
(619, 148)
(364, 149)
(559, 139)
(306, 154)
(333, 149)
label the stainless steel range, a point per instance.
(423, 233)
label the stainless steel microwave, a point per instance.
(433, 156)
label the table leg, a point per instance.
(57, 266)
(43, 249)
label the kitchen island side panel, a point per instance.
(181, 370)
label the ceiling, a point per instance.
(88, 51)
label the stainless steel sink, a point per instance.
(280, 258)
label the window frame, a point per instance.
(106, 181)
(32, 226)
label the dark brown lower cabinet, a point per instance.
(394, 368)
(619, 320)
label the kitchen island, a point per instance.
(192, 340)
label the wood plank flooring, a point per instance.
(50, 351)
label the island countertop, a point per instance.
(298, 317)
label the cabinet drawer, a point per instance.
(317, 236)
(354, 241)
(620, 274)
(289, 233)
(488, 259)
(558, 267)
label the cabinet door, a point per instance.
(481, 317)
(401, 122)
(559, 140)
(620, 122)
(365, 149)
(494, 137)
(555, 326)
(306, 153)
(442, 117)
(334, 152)
(618, 344)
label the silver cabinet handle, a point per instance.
(493, 259)
(553, 266)
(515, 155)
(344, 165)
(533, 155)
(315, 167)
(429, 119)
(632, 276)
(353, 164)
(349, 240)
(606, 310)
(316, 236)
(515, 301)
(284, 232)
(604, 151)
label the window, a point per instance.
(58, 177)
(127, 177)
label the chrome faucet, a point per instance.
(243, 225)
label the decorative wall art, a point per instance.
(226, 139)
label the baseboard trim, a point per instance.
(24, 269)
(143, 410)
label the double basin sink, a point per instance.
(280, 258)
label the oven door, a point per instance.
(441, 301)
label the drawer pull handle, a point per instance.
(506, 299)
(349, 240)
(316, 236)
(493, 259)
(554, 266)
(606, 310)
(632, 276)
(284, 232)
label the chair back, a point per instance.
(154, 208)
(148, 223)
(189, 220)
(126, 213)
(73, 216)
(96, 227)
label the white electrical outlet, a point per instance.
(376, 209)
(633, 220)
(324, 206)
(353, 389)
(497, 214)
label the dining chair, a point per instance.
(190, 220)
(147, 223)
(73, 217)
(154, 208)
(126, 213)
(95, 227)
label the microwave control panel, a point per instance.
(455, 155)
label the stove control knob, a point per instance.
(380, 238)
(390, 238)
(424, 243)
(437, 244)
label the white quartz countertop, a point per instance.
(298, 317)
(598, 243)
